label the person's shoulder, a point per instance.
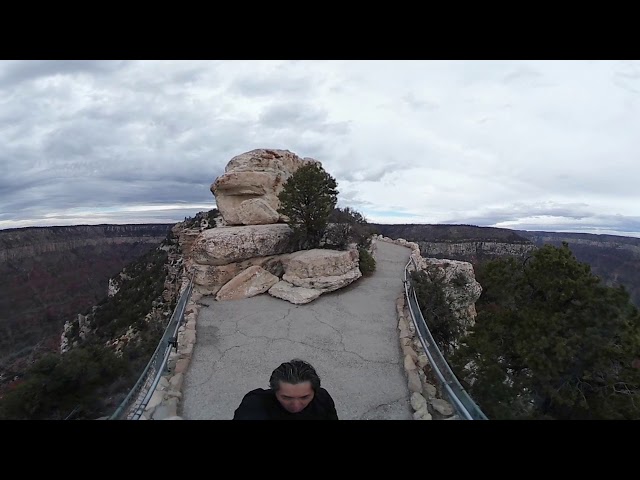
(253, 405)
(322, 392)
(324, 396)
(326, 405)
(257, 395)
(258, 392)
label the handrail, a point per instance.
(462, 402)
(132, 407)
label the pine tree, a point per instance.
(551, 341)
(307, 199)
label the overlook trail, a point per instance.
(350, 336)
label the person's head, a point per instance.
(295, 383)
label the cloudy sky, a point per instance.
(534, 145)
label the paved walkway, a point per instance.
(350, 336)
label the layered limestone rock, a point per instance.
(470, 250)
(305, 274)
(297, 295)
(256, 211)
(461, 288)
(225, 245)
(210, 278)
(325, 270)
(310, 273)
(187, 237)
(247, 193)
(249, 283)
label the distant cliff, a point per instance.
(472, 251)
(615, 259)
(18, 243)
(609, 241)
(49, 274)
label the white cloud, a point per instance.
(550, 144)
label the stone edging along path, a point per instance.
(426, 399)
(164, 403)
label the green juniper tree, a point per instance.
(446, 329)
(552, 342)
(308, 197)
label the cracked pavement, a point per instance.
(350, 336)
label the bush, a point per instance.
(459, 280)
(435, 308)
(337, 236)
(56, 384)
(211, 217)
(367, 262)
(348, 226)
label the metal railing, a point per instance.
(458, 397)
(132, 407)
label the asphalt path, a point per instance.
(350, 336)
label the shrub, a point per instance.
(367, 262)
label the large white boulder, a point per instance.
(248, 283)
(225, 245)
(247, 193)
(297, 295)
(324, 270)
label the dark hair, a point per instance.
(294, 372)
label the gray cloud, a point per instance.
(628, 77)
(372, 174)
(419, 104)
(299, 115)
(604, 224)
(438, 142)
(518, 211)
(16, 72)
(258, 86)
(521, 74)
(562, 217)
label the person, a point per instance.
(294, 394)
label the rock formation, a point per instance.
(325, 270)
(471, 250)
(224, 245)
(250, 282)
(21, 243)
(247, 193)
(252, 252)
(460, 286)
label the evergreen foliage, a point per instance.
(348, 226)
(367, 263)
(308, 197)
(551, 342)
(444, 326)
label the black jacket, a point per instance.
(261, 404)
